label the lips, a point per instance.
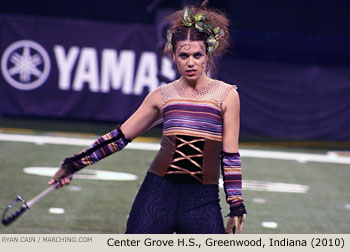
(191, 72)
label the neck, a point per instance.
(196, 84)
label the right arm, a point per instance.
(148, 113)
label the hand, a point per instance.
(62, 177)
(235, 224)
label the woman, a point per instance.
(201, 128)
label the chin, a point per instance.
(192, 78)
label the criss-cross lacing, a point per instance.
(181, 156)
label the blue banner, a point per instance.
(102, 71)
(77, 69)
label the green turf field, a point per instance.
(103, 206)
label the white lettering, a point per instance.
(167, 69)
(80, 66)
(65, 64)
(87, 71)
(116, 73)
(146, 75)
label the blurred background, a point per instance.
(289, 59)
(77, 68)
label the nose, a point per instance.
(190, 62)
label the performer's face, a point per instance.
(191, 59)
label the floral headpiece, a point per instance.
(202, 24)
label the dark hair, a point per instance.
(181, 32)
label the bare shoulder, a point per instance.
(157, 93)
(232, 94)
(154, 95)
(231, 99)
(154, 98)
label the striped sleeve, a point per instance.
(231, 168)
(106, 145)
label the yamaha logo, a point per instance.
(25, 65)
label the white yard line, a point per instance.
(299, 157)
(267, 186)
(251, 185)
(279, 155)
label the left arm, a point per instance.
(231, 108)
(231, 163)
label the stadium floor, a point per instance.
(286, 192)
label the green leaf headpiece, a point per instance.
(202, 24)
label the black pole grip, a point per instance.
(7, 221)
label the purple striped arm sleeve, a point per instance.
(231, 168)
(106, 145)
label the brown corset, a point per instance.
(188, 159)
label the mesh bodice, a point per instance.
(214, 92)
